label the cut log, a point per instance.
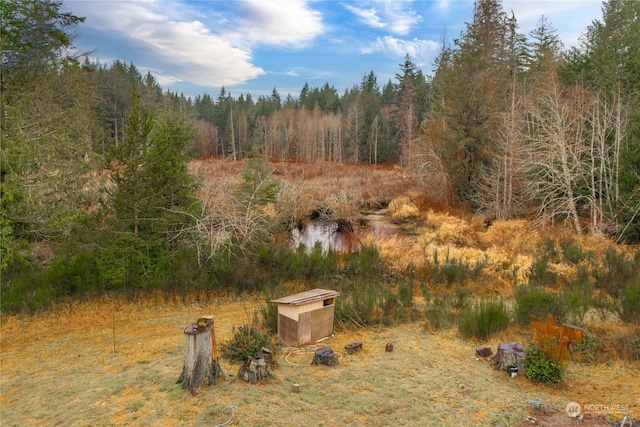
(353, 347)
(483, 352)
(201, 364)
(256, 368)
(324, 356)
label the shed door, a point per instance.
(304, 328)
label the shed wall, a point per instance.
(287, 330)
(293, 311)
(310, 326)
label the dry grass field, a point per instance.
(60, 369)
(115, 362)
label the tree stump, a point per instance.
(324, 356)
(509, 357)
(256, 368)
(201, 363)
(483, 352)
(353, 347)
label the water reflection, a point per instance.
(378, 224)
(326, 234)
(340, 236)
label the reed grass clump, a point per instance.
(484, 319)
(439, 311)
(533, 303)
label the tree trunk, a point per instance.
(201, 364)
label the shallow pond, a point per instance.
(331, 236)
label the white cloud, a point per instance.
(395, 16)
(368, 17)
(179, 42)
(277, 22)
(421, 51)
(443, 4)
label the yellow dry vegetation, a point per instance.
(512, 236)
(448, 229)
(403, 208)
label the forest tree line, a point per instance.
(509, 124)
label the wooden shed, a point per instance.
(306, 317)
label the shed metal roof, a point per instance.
(307, 297)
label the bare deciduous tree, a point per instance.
(557, 162)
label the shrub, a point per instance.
(365, 264)
(439, 313)
(604, 305)
(247, 341)
(548, 247)
(392, 310)
(403, 208)
(358, 304)
(405, 292)
(454, 270)
(586, 350)
(630, 304)
(617, 270)
(579, 295)
(540, 274)
(269, 311)
(484, 319)
(573, 253)
(533, 303)
(540, 368)
(462, 298)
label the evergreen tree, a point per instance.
(407, 110)
(132, 195)
(304, 95)
(546, 56)
(46, 125)
(469, 84)
(152, 196)
(500, 186)
(373, 144)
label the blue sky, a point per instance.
(251, 46)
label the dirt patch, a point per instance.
(555, 417)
